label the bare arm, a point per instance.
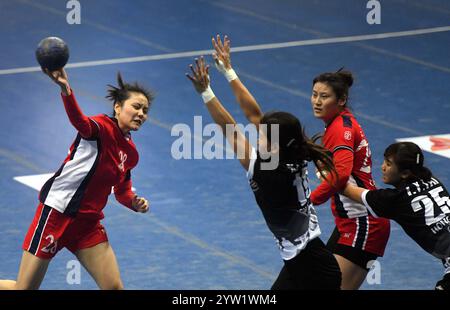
(354, 192)
(243, 96)
(200, 80)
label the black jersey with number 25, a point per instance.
(422, 208)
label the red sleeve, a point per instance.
(123, 192)
(339, 140)
(85, 126)
(343, 162)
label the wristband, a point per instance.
(230, 75)
(207, 94)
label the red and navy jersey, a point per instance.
(100, 158)
(345, 139)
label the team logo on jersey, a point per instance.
(123, 157)
(347, 135)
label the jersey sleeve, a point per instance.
(340, 140)
(343, 163)
(381, 202)
(87, 127)
(123, 192)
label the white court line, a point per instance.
(247, 48)
(173, 230)
(324, 34)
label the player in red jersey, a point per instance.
(71, 202)
(358, 238)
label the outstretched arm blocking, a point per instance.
(200, 81)
(243, 96)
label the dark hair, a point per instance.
(295, 146)
(408, 156)
(340, 81)
(122, 92)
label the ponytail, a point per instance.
(320, 157)
(295, 146)
(340, 81)
(122, 92)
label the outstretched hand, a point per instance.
(200, 75)
(221, 55)
(59, 76)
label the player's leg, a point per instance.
(7, 285)
(284, 281)
(353, 275)
(31, 273)
(444, 283)
(40, 245)
(348, 243)
(315, 268)
(100, 261)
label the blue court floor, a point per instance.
(205, 230)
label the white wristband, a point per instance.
(230, 75)
(207, 95)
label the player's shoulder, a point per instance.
(101, 118)
(347, 120)
(393, 195)
(344, 121)
(104, 121)
(343, 128)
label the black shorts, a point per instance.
(313, 268)
(356, 256)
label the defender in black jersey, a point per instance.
(281, 188)
(419, 202)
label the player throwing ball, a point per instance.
(71, 201)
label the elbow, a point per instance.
(316, 198)
(341, 181)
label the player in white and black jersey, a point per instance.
(281, 189)
(419, 202)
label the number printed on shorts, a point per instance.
(51, 247)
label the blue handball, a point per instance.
(52, 53)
